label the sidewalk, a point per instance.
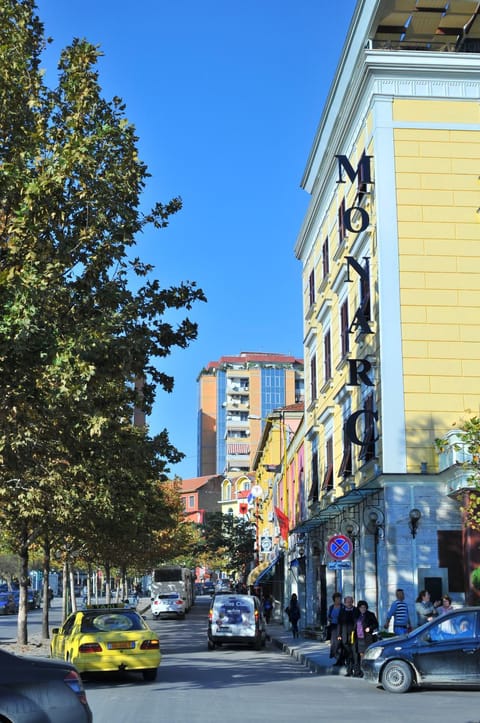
(314, 654)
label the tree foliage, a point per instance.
(227, 542)
(80, 337)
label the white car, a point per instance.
(168, 603)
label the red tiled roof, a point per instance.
(255, 356)
(194, 483)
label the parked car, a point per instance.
(7, 604)
(168, 603)
(443, 652)
(208, 588)
(107, 638)
(236, 619)
(34, 688)
(223, 586)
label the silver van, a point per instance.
(237, 620)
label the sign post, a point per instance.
(340, 547)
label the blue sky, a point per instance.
(226, 98)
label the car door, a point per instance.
(62, 635)
(442, 655)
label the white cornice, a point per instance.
(399, 74)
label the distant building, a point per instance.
(200, 495)
(236, 393)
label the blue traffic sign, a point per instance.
(340, 547)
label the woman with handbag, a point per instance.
(366, 630)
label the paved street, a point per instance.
(288, 680)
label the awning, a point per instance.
(353, 497)
(268, 571)
(261, 571)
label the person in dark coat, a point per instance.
(333, 613)
(366, 630)
(347, 618)
(293, 612)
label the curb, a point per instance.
(310, 661)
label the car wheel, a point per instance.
(211, 646)
(397, 677)
(258, 643)
(150, 675)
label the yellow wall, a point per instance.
(438, 194)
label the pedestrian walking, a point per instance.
(347, 618)
(366, 631)
(332, 632)
(425, 609)
(399, 612)
(446, 606)
(267, 608)
(293, 612)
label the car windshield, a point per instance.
(102, 622)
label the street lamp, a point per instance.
(414, 518)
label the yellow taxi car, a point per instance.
(107, 638)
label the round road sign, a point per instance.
(340, 547)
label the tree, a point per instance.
(75, 339)
(227, 542)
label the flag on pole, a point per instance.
(283, 523)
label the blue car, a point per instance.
(444, 652)
(7, 604)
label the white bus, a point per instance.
(174, 578)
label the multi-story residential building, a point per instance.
(235, 393)
(390, 252)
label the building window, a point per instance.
(313, 378)
(367, 450)
(313, 494)
(325, 259)
(365, 291)
(311, 288)
(327, 356)
(346, 468)
(344, 335)
(191, 501)
(342, 231)
(327, 483)
(363, 176)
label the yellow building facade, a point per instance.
(390, 252)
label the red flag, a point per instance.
(243, 508)
(283, 523)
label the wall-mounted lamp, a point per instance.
(374, 521)
(414, 518)
(351, 529)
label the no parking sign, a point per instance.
(340, 547)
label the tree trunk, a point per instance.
(71, 582)
(65, 592)
(107, 583)
(22, 630)
(46, 578)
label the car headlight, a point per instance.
(373, 653)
